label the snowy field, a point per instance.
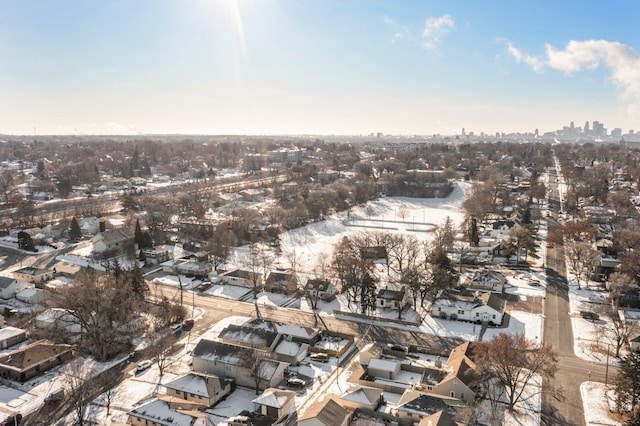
(313, 241)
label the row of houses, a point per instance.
(253, 355)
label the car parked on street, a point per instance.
(188, 324)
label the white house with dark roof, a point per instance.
(202, 389)
(502, 227)
(320, 289)
(391, 298)
(469, 306)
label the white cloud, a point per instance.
(434, 29)
(621, 61)
(401, 32)
(536, 63)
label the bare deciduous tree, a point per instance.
(514, 363)
(579, 255)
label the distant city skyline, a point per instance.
(330, 67)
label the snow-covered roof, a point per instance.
(383, 364)
(159, 413)
(9, 332)
(198, 384)
(288, 348)
(274, 398)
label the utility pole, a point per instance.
(606, 371)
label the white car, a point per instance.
(143, 365)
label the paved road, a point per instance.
(218, 308)
(561, 398)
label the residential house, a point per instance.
(469, 306)
(487, 280)
(33, 359)
(283, 347)
(275, 403)
(164, 412)
(10, 286)
(240, 277)
(500, 249)
(33, 275)
(10, 336)
(383, 368)
(414, 405)
(156, 255)
(320, 289)
(325, 413)
(237, 362)
(459, 382)
(281, 281)
(257, 338)
(439, 418)
(292, 332)
(391, 298)
(202, 389)
(363, 398)
(112, 241)
(193, 268)
(502, 227)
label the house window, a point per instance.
(452, 394)
(477, 314)
(461, 395)
(493, 316)
(460, 311)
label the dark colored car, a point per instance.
(188, 324)
(296, 383)
(589, 315)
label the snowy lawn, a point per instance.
(596, 399)
(591, 337)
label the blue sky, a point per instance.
(316, 66)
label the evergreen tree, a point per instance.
(137, 236)
(628, 383)
(474, 238)
(75, 233)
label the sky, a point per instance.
(344, 67)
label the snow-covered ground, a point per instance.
(598, 400)
(313, 241)
(590, 336)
